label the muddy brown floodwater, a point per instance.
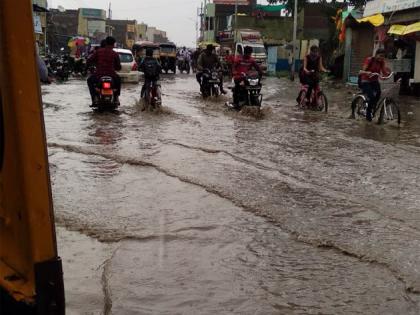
(199, 210)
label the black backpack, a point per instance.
(151, 68)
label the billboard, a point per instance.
(386, 6)
(93, 13)
(232, 2)
(95, 27)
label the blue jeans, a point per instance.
(373, 91)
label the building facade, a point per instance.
(124, 31)
(92, 24)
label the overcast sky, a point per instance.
(177, 17)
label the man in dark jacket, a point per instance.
(107, 63)
(208, 60)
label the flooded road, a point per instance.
(199, 210)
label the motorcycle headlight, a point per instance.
(253, 82)
(214, 76)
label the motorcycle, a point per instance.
(183, 65)
(210, 83)
(105, 93)
(249, 92)
(152, 96)
(58, 67)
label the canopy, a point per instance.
(404, 29)
(375, 20)
(78, 41)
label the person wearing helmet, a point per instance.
(369, 82)
(208, 60)
(151, 69)
(107, 63)
(241, 66)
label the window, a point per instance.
(126, 57)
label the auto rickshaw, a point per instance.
(139, 50)
(168, 57)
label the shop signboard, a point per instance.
(232, 2)
(387, 6)
(37, 24)
(93, 13)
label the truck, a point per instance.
(243, 38)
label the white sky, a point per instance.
(177, 17)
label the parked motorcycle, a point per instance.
(105, 92)
(58, 67)
(210, 83)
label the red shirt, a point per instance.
(107, 62)
(244, 65)
(373, 65)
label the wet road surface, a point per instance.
(199, 210)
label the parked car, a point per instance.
(128, 72)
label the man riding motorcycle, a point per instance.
(107, 62)
(208, 60)
(242, 65)
(151, 69)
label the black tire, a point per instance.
(390, 111)
(323, 99)
(301, 99)
(357, 106)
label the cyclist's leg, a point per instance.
(369, 89)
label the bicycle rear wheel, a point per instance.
(390, 112)
(358, 107)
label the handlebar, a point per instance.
(375, 74)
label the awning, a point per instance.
(375, 20)
(404, 29)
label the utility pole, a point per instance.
(235, 28)
(205, 21)
(295, 22)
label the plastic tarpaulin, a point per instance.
(404, 29)
(375, 20)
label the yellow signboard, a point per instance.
(404, 29)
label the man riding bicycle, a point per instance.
(151, 69)
(312, 66)
(373, 67)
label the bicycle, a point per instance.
(316, 101)
(152, 96)
(387, 108)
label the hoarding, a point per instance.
(93, 13)
(386, 6)
(232, 2)
(95, 27)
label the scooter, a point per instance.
(105, 93)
